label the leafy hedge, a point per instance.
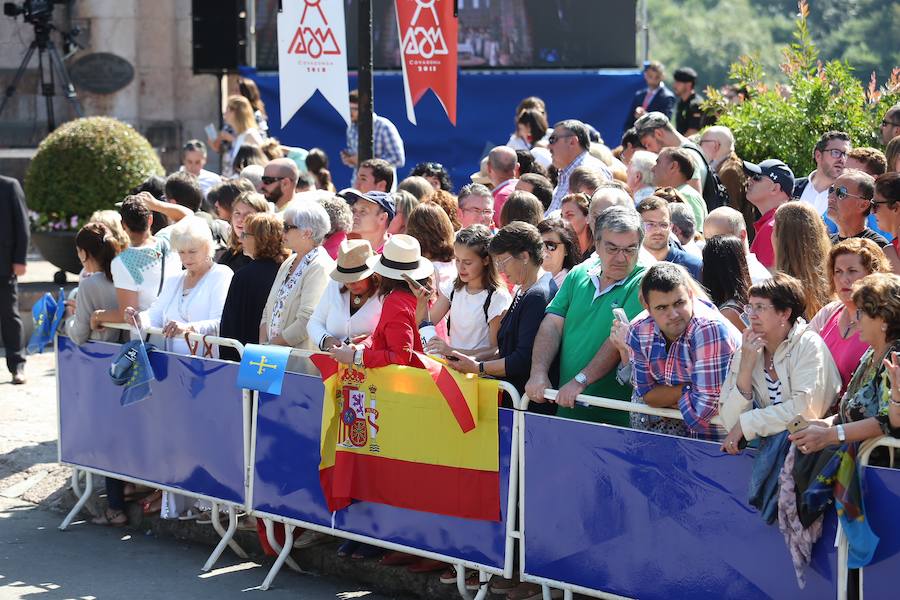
(87, 165)
(785, 122)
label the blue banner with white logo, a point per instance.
(263, 367)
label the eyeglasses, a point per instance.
(755, 309)
(501, 263)
(835, 153)
(874, 204)
(270, 180)
(840, 192)
(288, 227)
(551, 246)
(886, 123)
(651, 225)
(627, 252)
(245, 235)
(555, 138)
(487, 212)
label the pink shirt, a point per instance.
(501, 194)
(762, 243)
(845, 352)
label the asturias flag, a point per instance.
(389, 435)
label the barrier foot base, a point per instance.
(226, 535)
(483, 579)
(283, 554)
(82, 499)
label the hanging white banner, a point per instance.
(312, 55)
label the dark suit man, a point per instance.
(655, 97)
(13, 246)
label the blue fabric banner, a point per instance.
(263, 367)
(486, 104)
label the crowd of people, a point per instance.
(622, 273)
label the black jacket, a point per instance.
(244, 304)
(13, 226)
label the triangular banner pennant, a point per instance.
(428, 47)
(312, 55)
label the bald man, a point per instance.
(279, 182)
(503, 170)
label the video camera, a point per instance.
(33, 11)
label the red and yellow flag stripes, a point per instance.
(392, 435)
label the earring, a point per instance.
(884, 327)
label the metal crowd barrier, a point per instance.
(383, 526)
(101, 440)
(642, 514)
(624, 498)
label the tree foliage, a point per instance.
(785, 121)
(87, 165)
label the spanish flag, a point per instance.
(391, 435)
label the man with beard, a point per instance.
(830, 154)
(279, 182)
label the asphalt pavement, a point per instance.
(89, 562)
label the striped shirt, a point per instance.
(562, 187)
(388, 143)
(698, 359)
(774, 386)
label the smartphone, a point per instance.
(745, 319)
(619, 314)
(211, 132)
(412, 282)
(796, 424)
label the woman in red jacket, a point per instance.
(396, 336)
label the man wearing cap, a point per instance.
(688, 114)
(655, 97)
(502, 168)
(769, 185)
(657, 132)
(372, 215)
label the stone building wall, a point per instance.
(165, 100)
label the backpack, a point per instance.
(487, 305)
(715, 194)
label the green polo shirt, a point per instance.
(696, 202)
(588, 314)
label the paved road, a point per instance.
(87, 562)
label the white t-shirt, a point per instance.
(468, 328)
(139, 270)
(818, 199)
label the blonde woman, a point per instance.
(239, 115)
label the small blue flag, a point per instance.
(262, 368)
(44, 313)
(131, 369)
(60, 312)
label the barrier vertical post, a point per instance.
(88, 490)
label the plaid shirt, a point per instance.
(699, 358)
(562, 186)
(388, 143)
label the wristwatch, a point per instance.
(581, 378)
(842, 436)
(481, 368)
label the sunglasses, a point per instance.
(555, 138)
(874, 204)
(270, 180)
(551, 246)
(430, 166)
(840, 192)
(288, 227)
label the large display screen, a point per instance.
(495, 34)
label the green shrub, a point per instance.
(87, 165)
(785, 122)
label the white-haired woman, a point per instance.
(189, 302)
(192, 301)
(301, 279)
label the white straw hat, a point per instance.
(403, 256)
(355, 261)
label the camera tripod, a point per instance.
(47, 51)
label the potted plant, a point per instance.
(84, 166)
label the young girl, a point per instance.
(474, 302)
